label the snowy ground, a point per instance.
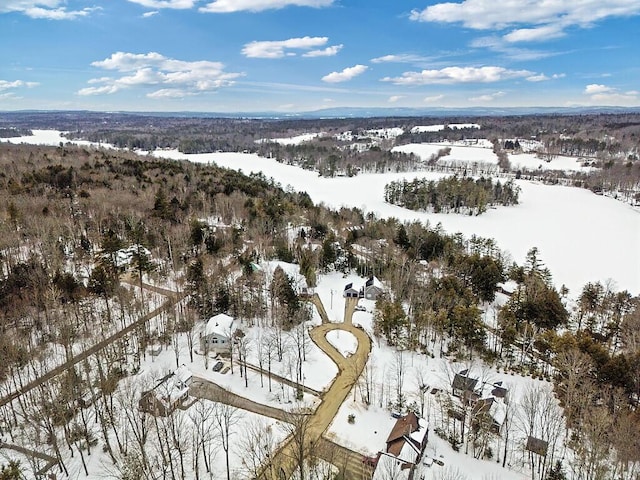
(297, 140)
(482, 153)
(530, 161)
(50, 137)
(345, 342)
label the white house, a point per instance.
(217, 334)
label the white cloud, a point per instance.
(228, 6)
(605, 95)
(541, 77)
(175, 4)
(169, 93)
(395, 98)
(400, 58)
(432, 98)
(6, 85)
(453, 75)
(280, 48)
(490, 97)
(325, 52)
(105, 89)
(499, 45)
(180, 78)
(537, 34)
(150, 14)
(547, 19)
(345, 75)
(44, 9)
(594, 88)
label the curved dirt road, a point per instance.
(348, 374)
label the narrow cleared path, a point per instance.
(315, 299)
(166, 306)
(284, 380)
(203, 388)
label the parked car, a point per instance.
(370, 461)
(396, 414)
(218, 366)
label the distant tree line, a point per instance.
(452, 194)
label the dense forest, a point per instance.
(452, 194)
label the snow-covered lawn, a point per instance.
(345, 342)
(369, 431)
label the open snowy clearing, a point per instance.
(581, 237)
(52, 138)
(345, 342)
(297, 140)
(478, 154)
(530, 161)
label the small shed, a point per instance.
(537, 445)
(350, 291)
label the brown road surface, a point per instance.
(170, 303)
(203, 388)
(284, 380)
(349, 372)
(349, 307)
(315, 299)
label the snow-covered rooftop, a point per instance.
(220, 324)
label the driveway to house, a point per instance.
(315, 299)
(349, 370)
(203, 388)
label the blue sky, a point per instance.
(299, 55)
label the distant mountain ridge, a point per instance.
(363, 112)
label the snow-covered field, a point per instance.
(581, 237)
(482, 153)
(530, 161)
(50, 137)
(297, 140)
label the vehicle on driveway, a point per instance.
(218, 366)
(370, 461)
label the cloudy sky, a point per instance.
(298, 55)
